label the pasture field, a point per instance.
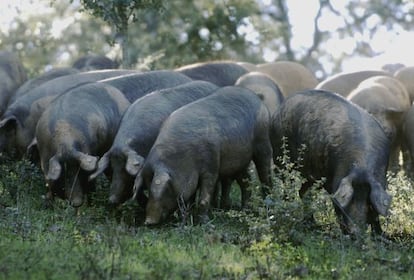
(267, 241)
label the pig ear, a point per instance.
(380, 199)
(134, 163)
(32, 151)
(344, 193)
(54, 169)
(102, 165)
(8, 121)
(138, 192)
(394, 114)
(87, 162)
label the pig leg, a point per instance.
(207, 185)
(225, 183)
(215, 201)
(373, 220)
(407, 158)
(262, 160)
(243, 180)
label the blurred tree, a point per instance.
(167, 34)
(247, 30)
(360, 21)
(31, 40)
(189, 30)
(120, 14)
(55, 38)
(192, 31)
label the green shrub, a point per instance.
(282, 214)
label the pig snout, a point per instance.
(114, 200)
(151, 221)
(121, 187)
(353, 230)
(154, 214)
(118, 197)
(354, 224)
(76, 199)
(153, 218)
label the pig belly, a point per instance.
(234, 162)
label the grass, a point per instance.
(271, 242)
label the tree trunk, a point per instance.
(126, 63)
(126, 59)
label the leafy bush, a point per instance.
(286, 245)
(282, 215)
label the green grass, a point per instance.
(271, 242)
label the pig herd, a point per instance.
(166, 137)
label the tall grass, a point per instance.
(269, 240)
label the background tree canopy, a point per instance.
(165, 34)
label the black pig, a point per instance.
(75, 129)
(208, 140)
(139, 129)
(343, 144)
(18, 124)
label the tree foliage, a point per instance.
(166, 34)
(55, 38)
(120, 14)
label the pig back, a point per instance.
(142, 120)
(221, 73)
(329, 132)
(41, 79)
(225, 125)
(24, 113)
(343, 83)
(136, 85)
(85, 118)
